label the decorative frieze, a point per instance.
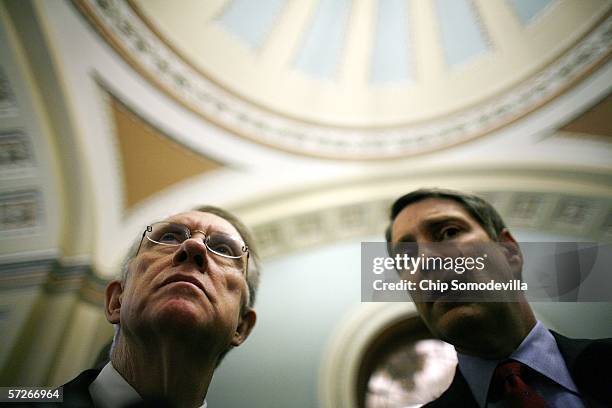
(543, 212)
(16, 153)
(20, 212)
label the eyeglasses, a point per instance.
(174, 234)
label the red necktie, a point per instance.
(512, 389)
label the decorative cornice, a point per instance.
(25, 274)
(54, 278)
(67, 278)
(555, 213)
(138, 44)
(93, 290)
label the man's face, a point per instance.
(184, 289)
(445, 221)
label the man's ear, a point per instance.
(112, 301)
(246, 324)
(511, 249)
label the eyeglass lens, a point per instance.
(175, 234)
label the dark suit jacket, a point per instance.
(76, 392)
(589, 363)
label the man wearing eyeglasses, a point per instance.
(185, 299)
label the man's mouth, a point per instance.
(184, 278)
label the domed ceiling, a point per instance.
(359, 79)
(117, 113)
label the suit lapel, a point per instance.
(458, 394)
(590, 365)
(76, 392)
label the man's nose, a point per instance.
(433, 254)
(191, 250)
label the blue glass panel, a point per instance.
(462, 38)
(392, 59)
(323, 42)
(251, 20)
(527, 10)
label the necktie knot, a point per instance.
(509, 386)
(510, 371)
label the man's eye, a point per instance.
(169, 238)
(449, 233)
(411, 249)
(223, 249)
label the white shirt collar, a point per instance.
(111, 390)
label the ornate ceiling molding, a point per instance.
(122, 27)
(559, 213)
(53, 277)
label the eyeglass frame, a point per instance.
(149, 228)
